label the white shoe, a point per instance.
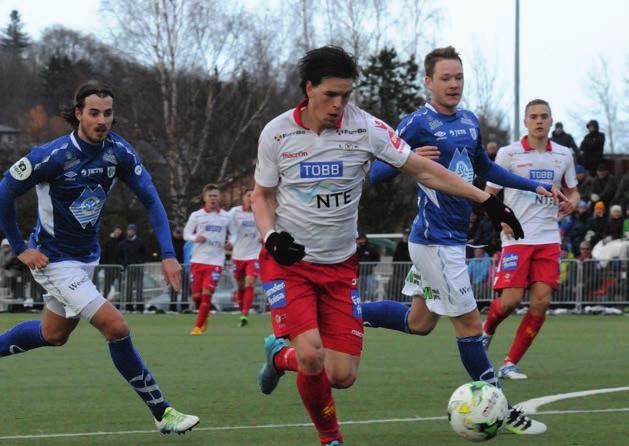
(510, 371)
(519, 423)
(177, 422)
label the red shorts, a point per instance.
(309, 295)
(204, 277)
(521, 265)
(246, 268)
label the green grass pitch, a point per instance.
(76, 391)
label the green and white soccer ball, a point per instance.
(477, 410)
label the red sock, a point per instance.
(495, 316)
(239, 296)
(286, 360)
(528, 329)
(316, 394)
(247, 300)
(197, 301)
(204, 310)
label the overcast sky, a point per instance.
(561, 41)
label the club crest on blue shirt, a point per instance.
(461, 165)
(86, 208)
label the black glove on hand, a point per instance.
(282, 246)
(499, 212)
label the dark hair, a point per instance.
(91, 87)
(536, 102)
(438, 54)
(327, 61)
(207, 188)
(244, 192)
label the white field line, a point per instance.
(280, 426)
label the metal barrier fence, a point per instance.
(591, 282)
(142, 288)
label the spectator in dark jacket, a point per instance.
(132, 250)
(401, 249)
(614, 226)
(111, 247)
(597, 223)
(592, 147)
(367, 253)
(565, 139)
(622, 192)
(604, 185)
(580, 224)
(481, 233)
(585, 182)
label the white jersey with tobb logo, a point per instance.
(246, 238)
(320, 177)
(214, 226)
(538, 215)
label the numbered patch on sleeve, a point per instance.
(138, 170)
(22, 169)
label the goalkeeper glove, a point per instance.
(282, 246)
(499, 212)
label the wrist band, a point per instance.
(271, 231)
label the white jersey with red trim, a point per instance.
(538, 215)
(246, 239)
(320, 177)
(214, 226)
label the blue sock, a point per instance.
(23, 337)
(129, 364)
(386, 314)
(474, 358)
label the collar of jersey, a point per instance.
(218, 210)
(430, 107)
(527, 148)
(297, 115)
(82, 145)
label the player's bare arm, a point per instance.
(569, 204)
(435, 176)
(430, 152)
(172, 273)
(33, 258)
(263, 203)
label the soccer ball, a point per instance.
(477, 410)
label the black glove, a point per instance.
(282, 246)
(499, 212)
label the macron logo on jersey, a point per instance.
(542, 174)
(322, 169)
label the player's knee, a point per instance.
(419, 328)
(57, 339)
(310, 359)
(249, 281)
(116, 330)
(342, 380)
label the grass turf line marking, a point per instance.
(531, 406)
(283, 426)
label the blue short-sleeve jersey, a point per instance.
(72, 180)
(443, 219)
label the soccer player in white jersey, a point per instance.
(247, 246)
(73, 175)
(531, 262)
(208, 228)
(312, 161)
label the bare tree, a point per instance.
(192, 45)
(604, 99)
(485, 99)
(420, 18)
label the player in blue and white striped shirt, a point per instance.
(73, 175)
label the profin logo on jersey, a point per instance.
(275, 292)
(86, 208)
(461, 165)
(321, 169)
